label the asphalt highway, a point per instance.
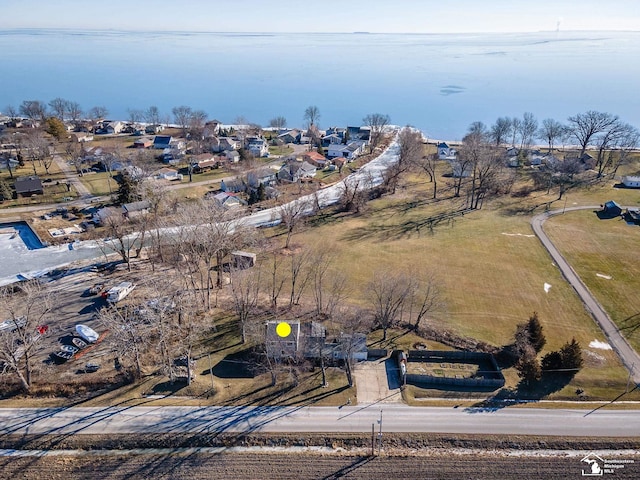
(358, 418)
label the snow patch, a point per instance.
(600, 345)
(517, 235)
(547, 287)
(601, 275)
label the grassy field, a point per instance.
(98, 183)
(491, 268)
(606, 256)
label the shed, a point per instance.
(611, 209)
(631, 181)
(242, 260)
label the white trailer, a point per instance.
(117, 293)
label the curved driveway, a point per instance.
(627, 354)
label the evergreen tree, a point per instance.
(55, 127)
(5, 191)
(528, 366)
(261, 193)
(128, 189)
(536, 337)
(571, 355)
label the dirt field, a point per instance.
(481, 465)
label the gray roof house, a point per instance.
(27, 186)
(161, 142)
(282, 347)
(294, 171)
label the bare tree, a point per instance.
(411, 150)
(39, 150)
(197, 120)
(59, 107)
(328, 282)
(11, 112)
(182, 117)
(75, 112)
(276, 279)
(34, 110)
(245, 289)
(516, 127)
(121, 236)
(135, 115)
(388, 293)
(301, 273)
(424, 297)
(98, 113)
(278, 123)
(312, 115)
(27, 309)
(551, 131)
(152, 115)
(377, 122)
(353, 324)
(292, 215)
(429, 164)
(129, 335)
(584, 126)
(614, 145)
(500, 130)
(528, 129)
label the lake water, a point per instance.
(438, 83)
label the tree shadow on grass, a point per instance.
(523, 393)
(234, 365)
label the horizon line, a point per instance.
(248, 32)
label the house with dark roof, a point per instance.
(294, 171)
(160, 142)
(349, 151)
(27, 186)
(445, 152)
(133, 209)
(281, 348)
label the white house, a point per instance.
(114, 127)
(295, 171)
(445, 152)
(232, 156)
(258, 146)
(228, 200)
(168, 174)
(631, 181)
(350, 151)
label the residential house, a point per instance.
(27, 186)
(292, 136)
(8, 163)
(144, 142)
(203, 162)
(536, 158)
(232, 156)
(113, 128)
(134, 209)
(211, 128)
(168, 174)
(257, 146)
(281, 348)
(631, 181)
(339, 162)
(339, 132)
(228, 200)
(332, 139)
(445, 152)
(264, 176)
(316, 159)
(586, 161)
(154, 129)
(82, 137)
(234, 185)
(294, 171)
(359, 133)
(228, 144)
(160, 142)
(349, 151)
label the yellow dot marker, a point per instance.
(283, 329)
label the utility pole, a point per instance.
(373, 439)
(380, 434)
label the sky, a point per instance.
(376, 16)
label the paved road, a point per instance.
(396, 418)
(627, 354)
